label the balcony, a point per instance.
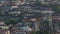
(1, 4)
(48, 1)
(47, 11)
(58, 1)
(13, 3)
(56, 18)
(12, 7)
(15, 12)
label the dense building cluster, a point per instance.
(33, 15)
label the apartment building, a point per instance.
(47, 20)
(30, 16)
(58, 2)
(48, 1)
(56, 23)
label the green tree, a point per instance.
(40, 32)
(38, 3)
(34, 32)
(11, 23)
(56, 7)
(0, 12)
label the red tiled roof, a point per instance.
(58, 32)
(26, 19)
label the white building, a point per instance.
(48, 1)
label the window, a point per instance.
(57, 27)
